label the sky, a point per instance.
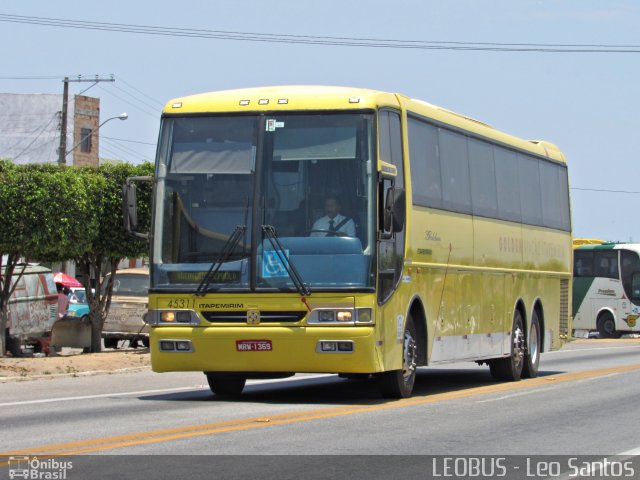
(587, 103)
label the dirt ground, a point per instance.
(73, 363)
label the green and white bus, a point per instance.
(606, 289)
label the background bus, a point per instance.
(461, 246)
(606, 289)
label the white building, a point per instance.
(30, 127)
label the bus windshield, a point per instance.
(223, 179)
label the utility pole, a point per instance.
(62, 149)
(63, 123)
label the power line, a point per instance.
(29, 133)
(40, 77)
(119, 97)
(126, 150)
(137, 99)
(320, 40)
(130, 141)
(42, 130)
(603, 190)
(158, 102)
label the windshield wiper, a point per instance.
(272, 236)
(225, 253)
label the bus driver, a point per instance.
(333, 221)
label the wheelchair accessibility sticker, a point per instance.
(272, 265)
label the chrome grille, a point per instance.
(564, 307)
(265, 316)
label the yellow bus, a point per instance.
(351, 231)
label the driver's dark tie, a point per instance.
(332, 229)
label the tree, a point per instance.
(47, 215)
(112, 243)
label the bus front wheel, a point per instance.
(229, 385)
(607, 326)
(399, 383)
(510, 368)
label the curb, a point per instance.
(72, 374)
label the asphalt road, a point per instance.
(585, 402)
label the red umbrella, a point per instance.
(65, 280)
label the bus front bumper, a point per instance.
(265, 349)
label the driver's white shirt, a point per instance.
(348, 227)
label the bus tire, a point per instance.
(532, 355)
(607, 326)
(399, 383)
(510, 368)
(226, 385)
(110, 342)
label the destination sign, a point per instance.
(197, 277)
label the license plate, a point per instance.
(253, 345)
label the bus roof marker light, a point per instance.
(354, 99)
(177, 105)
(245, 102)
(283, 101)
(263, 101)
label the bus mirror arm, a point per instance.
(130, 206)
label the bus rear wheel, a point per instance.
(226, 385)
(607, 326)
(532, 355)
(510, 368)
(399, 383)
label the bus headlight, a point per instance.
(173, 317)
(341, 316)
(331, 315)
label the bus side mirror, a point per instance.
(130, 206)
(394, 211)
(398, 216)
(388, 209)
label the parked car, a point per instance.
(78, 295)
(129, 303)
(78, 307)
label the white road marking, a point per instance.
(590, 349)
(145, 392)
(629, 453)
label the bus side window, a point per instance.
(630, 274)
(606, 262)
(583, 264)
